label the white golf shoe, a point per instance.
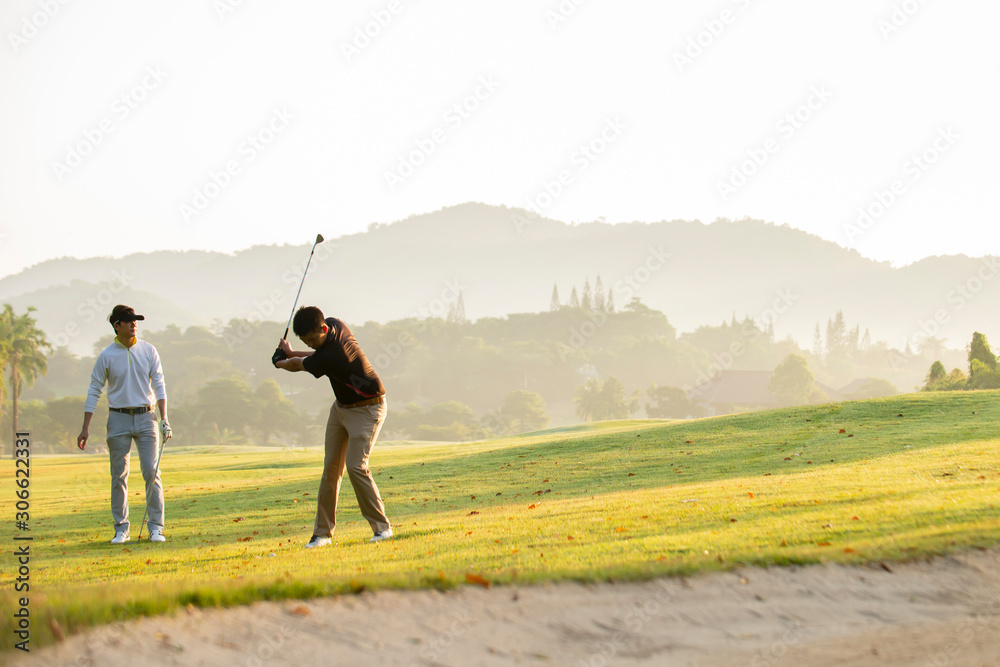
(384, 535)
(121, 537)
(156, 535)
(318, 541)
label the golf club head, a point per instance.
(319, 238)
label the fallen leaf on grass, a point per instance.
(472, 513)
(842, 431)
(620, 529)
(149, 561)
(822, 544)
(477, 580)
(532, 506)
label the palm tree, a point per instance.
(21, 345)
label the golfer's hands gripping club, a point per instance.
(282, 352)
(165, 432)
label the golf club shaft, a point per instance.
(319, 239)
(156, 471)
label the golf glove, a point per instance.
(165, 432)
(279, 355)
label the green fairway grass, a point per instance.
(877, 480)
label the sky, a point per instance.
(222, 124)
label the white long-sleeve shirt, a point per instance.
(133, 374)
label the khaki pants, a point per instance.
(350, 436)
(122, 429)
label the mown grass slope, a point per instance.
(883, 479)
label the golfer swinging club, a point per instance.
(356, 417)
(131, 368)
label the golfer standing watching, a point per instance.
(356, 417)
(131, 369)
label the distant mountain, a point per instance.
(506, 260)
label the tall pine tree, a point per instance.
(599, 305)
(554, 303)
(817, 343)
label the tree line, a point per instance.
(454, 379)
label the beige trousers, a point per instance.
(350, 437)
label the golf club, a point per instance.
(319, 239)
(164, 436)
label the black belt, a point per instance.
(133, 411)
(367, 401)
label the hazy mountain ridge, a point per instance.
(506, 260)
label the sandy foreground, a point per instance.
(940, 612)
